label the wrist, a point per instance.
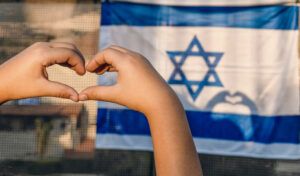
(4, 87)
(3, 95)
(168, 107)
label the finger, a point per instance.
(111, 69)
(55, 89)
(67, 57)
(45, 73)
(62, 45)
(108, 56)
(66, 45)
(102, 69)
(104, 93)
(119, 48)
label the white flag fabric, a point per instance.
(234, 68)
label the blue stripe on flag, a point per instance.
(275, 129)
(259, 17)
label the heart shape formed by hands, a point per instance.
(138, 85)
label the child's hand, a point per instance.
(138, 85)
(141, 88)
(25, 74)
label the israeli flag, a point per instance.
(234, 68)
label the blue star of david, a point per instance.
(210, 79)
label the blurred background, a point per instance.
(51, 136)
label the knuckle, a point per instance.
(109, 49)
(113, 46)
(70, 53)
(73, 46)
(41, 51)
(135, 58)
(39, 44)
(137, 55)
(75, 56)
(129, 60)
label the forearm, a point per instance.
(3, 97)
(174, 149)
(4, 87)
(141, 88)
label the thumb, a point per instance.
(104, 93)
(55, 89)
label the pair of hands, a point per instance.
(138, 85)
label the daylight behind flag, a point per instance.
(234, 68)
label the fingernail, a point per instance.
(83, 97)
(73, 98)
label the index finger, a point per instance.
(65, 56)
(108, 56)
(66, 45)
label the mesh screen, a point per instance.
(58, 137)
